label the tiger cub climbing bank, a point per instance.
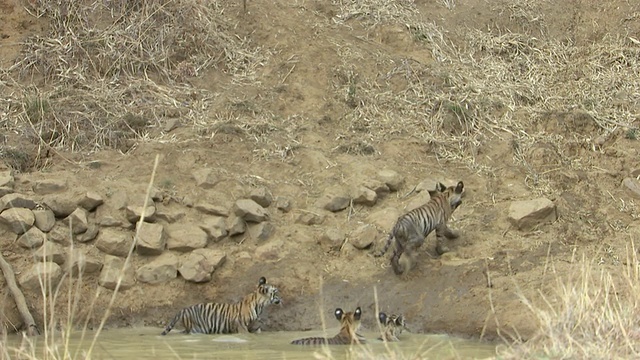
(214, 318)
(412, 228)
(349, 325)
(392, 326)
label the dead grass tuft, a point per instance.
(109, 72)
(593, 315)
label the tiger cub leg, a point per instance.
(443, 234)
(407, 261)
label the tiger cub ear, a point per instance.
(440, 187)
(459, 187)
(382, 317)
(357, 313)
(262, 281)
(339, 313)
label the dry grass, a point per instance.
(111, 72)
(593, 315)
(482, 85)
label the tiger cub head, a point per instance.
(349, 323)
(452, 193)
(393, 326)
(268, 292)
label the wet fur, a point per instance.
(392, 326)
(349, 325)
(214, 318)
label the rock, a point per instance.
(250, 211)
(159, 270)
(51, 251)
(632, 186)
(199, 265)
(91, 201)
(310, 218)
(235, 226)
(114, 242)
(363, 237)
(186, 237)
(169, 215)
(526, 214)
(111, 221)
(152, 239)
(60, 234)
(378, 186)
(362, 195)
(421, 199)
(262, 196)
(62, 204)
(334, 200)
(32, 239)
(77, 220)
(81, 263)
(426, 185)
(205, 178)
(6, 179)
(112, 269)
(19, 220)
(262, 231)
(384, 218)
(332, 239)
(171, 124)
(133, 213)
(90, 234)
(44, 219)
(5, 191)
(30, 279)
(15, 200)
(283, 204)
(392, 179)
(119, 200)
(215, 228)
(271, 251)
(217, 210)
(49, 186)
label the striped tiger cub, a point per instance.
(412, 228)
(393, 326)
(213, 318)
(349, 325)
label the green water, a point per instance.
(147, 343)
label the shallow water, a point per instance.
(147, 343)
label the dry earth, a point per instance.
(305, 124)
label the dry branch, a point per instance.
(10, 278)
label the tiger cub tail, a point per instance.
(387, 244)
(173, 322)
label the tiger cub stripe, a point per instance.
(411, 229)
(392, 326)
(349, 325)
(215, 318)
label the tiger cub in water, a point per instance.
(213, 318)
(412, 228)
(392, 326)
(349, 325)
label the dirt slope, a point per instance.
(437, 90)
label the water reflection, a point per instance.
(147, 343)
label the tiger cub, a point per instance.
(393, 326)
(215, 318)
(349, 325)
(412, 228)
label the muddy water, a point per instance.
(147, 343)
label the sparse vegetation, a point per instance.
(108, 74)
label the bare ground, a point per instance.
(339, 92)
